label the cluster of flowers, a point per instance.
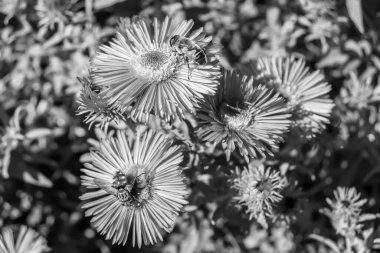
(154, 68)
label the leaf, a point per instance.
(329, 243)
(19, 169)
(368, 217)
(352, 46)
(38, 133)
(354, 8)
(333, 58)
(102, 4)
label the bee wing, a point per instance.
(185, 42)
(131, 175)
(104, 185)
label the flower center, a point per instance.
(134, 187)
(154, 66)
(153, 59)
(235, 118)
(265, 187)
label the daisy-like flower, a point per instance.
(259, 189)
(345, 210)
(150, 69)
(306, 92)
(95, 107)
(358, 92)
(245, 113)
(21, 239)
(53, 13)
(135, 187)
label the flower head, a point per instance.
(258, 188)
(95, 107)
(134, 186)
(21, 240)
(358, 92)
(244, 113)
(345, 210)
(53, 13)
(146, 69)
(306, 92)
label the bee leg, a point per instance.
(188, 67)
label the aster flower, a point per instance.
(53, 13)
(245, 113)
(95, 107)
(21, 240)
(258, 188)
(135, 187)
(142, 70)
(345, 210)
(321, 31)
(306, 92)
(359, 93)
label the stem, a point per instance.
(348, 245)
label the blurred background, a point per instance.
(46, 44)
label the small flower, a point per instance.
(245, 113)
(306, 92)
(258, 188)
(345, 210)
(359, 93)
(141, 69)
(53, 14)
(135, 186)
(21, 240)
(95, 107)
(321, 31)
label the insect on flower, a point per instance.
(124, 186)
(140, 74)
(189, 50)
(135, 187)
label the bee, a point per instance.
(123, 195)
(121, 180)
(189, 50)
(126, 187)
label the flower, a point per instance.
(358, 92)
(53, 14)
(258, 188)
(246, 113)
(306, 92)
(321, 33)
(142, 70)
(134, 186)
(345, 210)
(95, 107)
(21, 239)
